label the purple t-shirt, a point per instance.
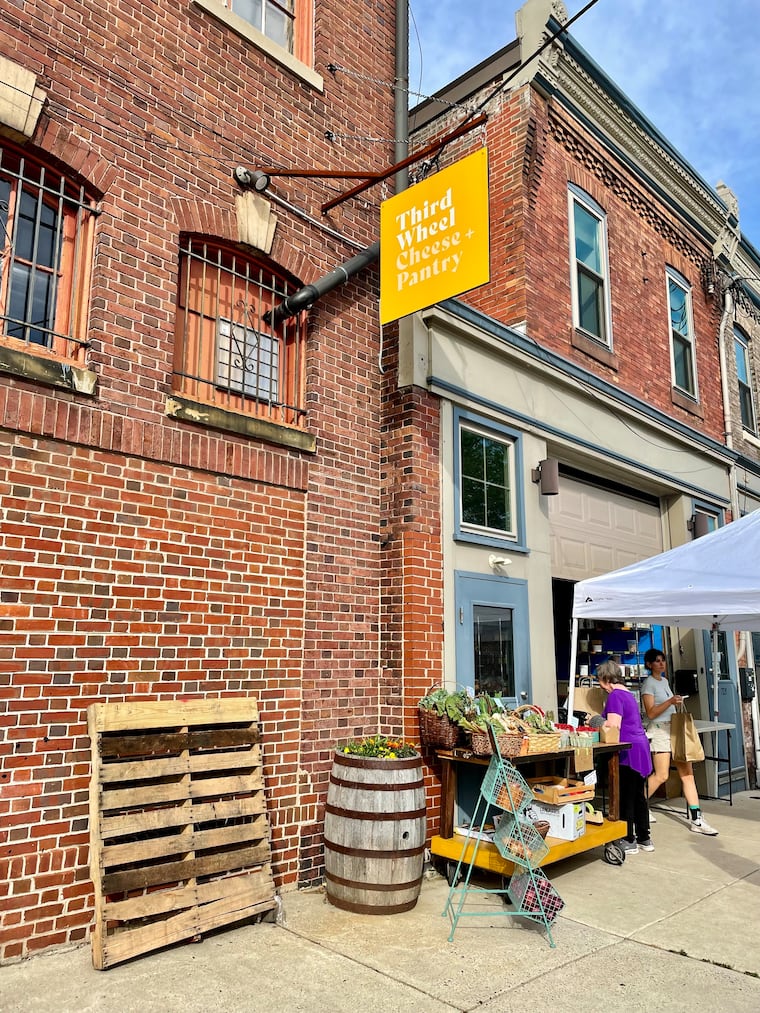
(638, 757)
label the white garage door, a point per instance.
(594, 530)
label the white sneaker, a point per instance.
(701, 826)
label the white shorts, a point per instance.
(659, 736)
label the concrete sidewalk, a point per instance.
(673, 930)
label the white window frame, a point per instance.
(677, 279)
(741, 341)
(577, 196)
(509, 443)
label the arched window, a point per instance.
(46, 236)
(226, 354)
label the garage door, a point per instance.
(595, 530)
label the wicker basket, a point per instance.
(509, 745)
(542, 826)
(541, 742)
(438, 731)
(538, 742)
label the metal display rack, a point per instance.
(518, 841)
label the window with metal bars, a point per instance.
(46, 236)
(226, 354)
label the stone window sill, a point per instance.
(595, 350)
(688, 404)
(50, 372)
(184, 410)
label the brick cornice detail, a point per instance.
(602, 169)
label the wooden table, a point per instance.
(449, 845)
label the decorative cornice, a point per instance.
(576, 145)
(687, 192)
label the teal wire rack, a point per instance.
(531, 894)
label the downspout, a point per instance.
(401, 93)
(305, 297)
(728, 309)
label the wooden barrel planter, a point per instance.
(374, 834)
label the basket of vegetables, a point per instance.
(489, 721)
(540, 733)
(440, 713)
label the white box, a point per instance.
(567, 822)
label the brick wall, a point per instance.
(147, 558)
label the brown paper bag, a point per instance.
(685, 744)
(590, 699)
(584, 759)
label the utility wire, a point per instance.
(521, 66)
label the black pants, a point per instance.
(634, 808)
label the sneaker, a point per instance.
(629, 847)
(652, 818)
(701, 826)
(646, 845)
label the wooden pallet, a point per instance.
(179, 832)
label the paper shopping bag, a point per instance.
(684, 738)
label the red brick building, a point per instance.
(195, 501)
(597, 367)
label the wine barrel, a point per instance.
(374, 834)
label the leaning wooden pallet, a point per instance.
(179, 831)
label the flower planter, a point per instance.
(374, 834)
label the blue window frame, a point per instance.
(488, 481)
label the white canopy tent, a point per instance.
(710, 583)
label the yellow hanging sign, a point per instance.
(434, 238)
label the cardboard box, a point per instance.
(557, 790)
(609, 735)
(566, 822)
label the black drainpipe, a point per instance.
(305, 297)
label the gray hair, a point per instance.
(610, 672)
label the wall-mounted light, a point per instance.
(494, 560)
(547, 473)
(255, 179)
(698, 524)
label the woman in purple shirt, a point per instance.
(622, 711)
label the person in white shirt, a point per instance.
(660, 704)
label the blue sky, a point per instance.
(692, 68)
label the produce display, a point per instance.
(526, 729)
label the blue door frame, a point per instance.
(487, 596)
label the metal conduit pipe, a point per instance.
(305, 297)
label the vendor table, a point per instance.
(449, 845)
(705, 728)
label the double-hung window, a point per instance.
(589, 266)
(227, 352)
(283, 29)
(275, 20)
(486, 482)
(744, 378)
(682, 343)
(46, 235)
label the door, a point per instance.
(729, 710)
(492, 654)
